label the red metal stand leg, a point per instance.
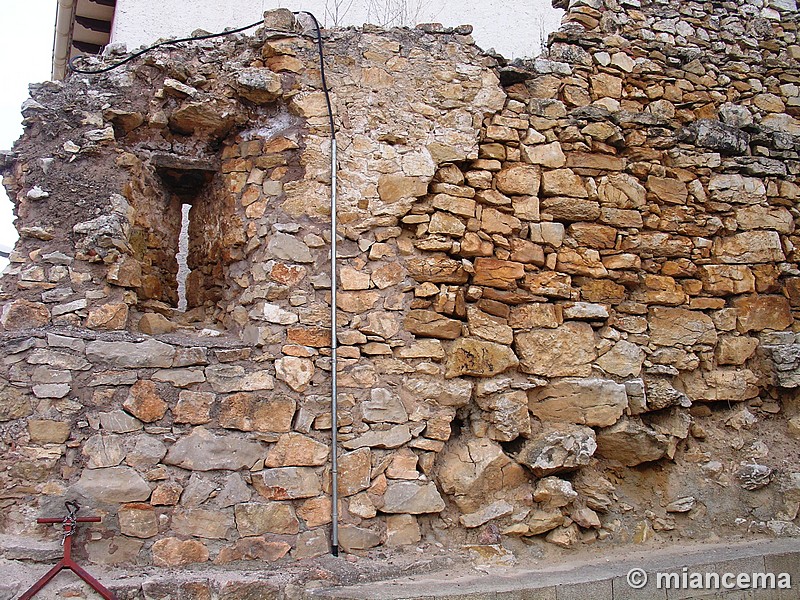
(67, 562)
(37, 587)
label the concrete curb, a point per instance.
(602, 579)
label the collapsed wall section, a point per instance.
(567, 303)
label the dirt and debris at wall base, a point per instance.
(567, 292)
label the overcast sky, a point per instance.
(26, 45)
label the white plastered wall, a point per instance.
(514, 29)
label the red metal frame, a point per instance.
(70, 525)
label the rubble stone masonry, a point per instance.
(567, 292)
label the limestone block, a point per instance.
(557, 449)
(567, 350)
(592, 401)
(201, 450)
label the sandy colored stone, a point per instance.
(23, 314)
(46, 431)
(111, 316)
(295, 372)
(208, 524)
(144, 401)
(479, 358)
(749, 247)
(193, 407)
(672, 326)
(563, 182)
(631, 443)
(254, 518)
(247, 411)
(542, 521)
(519, 180)
(392, 188)
(252, 548)
(297, 450)
(427, 323)
(412, 498)
(437, 269)
(155, 324)
(565, 351)
(724, 280)
(138, 520)
(534, 315)
(287, 483)
(735, 350)
(594, 402)
(624, 360)
(759, 313)
(488, 327)
(670, 191)
(113, 485)
(496, 273)
(173, 552)
(474, 469)
(731, 384)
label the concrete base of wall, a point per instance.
(603, 579)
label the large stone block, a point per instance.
(594, 402)
(479, 358)
(565, 351)
(201, 450)
(673, 326)
(631, 443)
(412, 498)
(557, 449)
(749, 247)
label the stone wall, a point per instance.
(567, 290)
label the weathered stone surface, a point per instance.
(257, 519)
(542, 521)
(173, 552)
(247, 411)
(201, 450)
(253, 548)
(501, 274)
(749, 247)
(46, 431)
(437, 270)
(202, 523)
(724, 280)
(144, 402)
(110, 316)
(103, 451)
(384, 406)
(454, 392)
(227, 378)
(128, 355)
(402, 530)
(392, 188)
(287, 483)
(488, 327)
(113, 485)
(412, 498)
(506, 414)
(759, 313)
(735, 350)
(734, 385)
(357, 538)
(295, 372)
(567, 350)
(479, 358)
(495, 510)
(631, 443)
(473, 470)
(297, 450)
(593, 402)
(558, 449)
(354, 471)
(519, 180)
(563, 182)
(670, 191)
(155, 324)
(23, 314)
(194, 407)
(673, 326)
(391, 438)
(261, 86)
(624, 360)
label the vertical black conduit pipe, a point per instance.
(334, 341)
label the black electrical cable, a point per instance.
(322, 70)
(136, 55)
